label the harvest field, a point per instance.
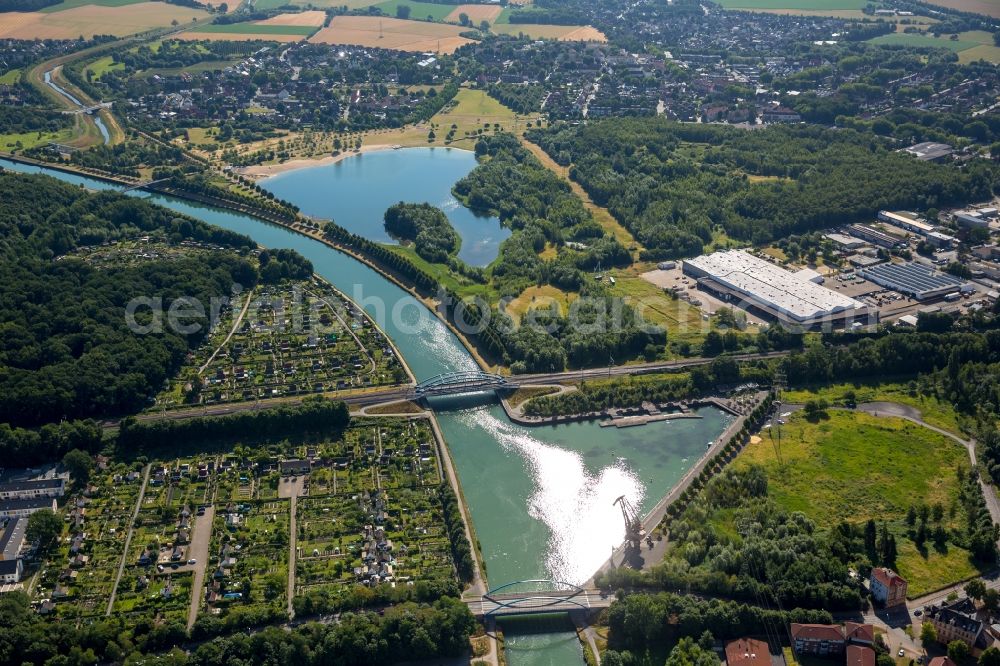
(827, 473)
(988, 7)
(313, 18)
(90, 20)
(562, 33)
(390, 33)
(476, 13)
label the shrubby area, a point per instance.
(674, 185)
(433, 237)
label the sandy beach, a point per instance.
(267, 170)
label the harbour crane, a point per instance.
(634, 533)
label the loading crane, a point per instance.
(634, 532)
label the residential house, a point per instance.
(11, 570)
(859, 655)
(956, 621)
(887, 587)
(830, 639)
(12, 539)
(24, 507)
(747, 652)
(30, 489)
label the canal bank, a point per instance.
(540, 499)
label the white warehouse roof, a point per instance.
(772, 285)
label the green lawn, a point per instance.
(794, 4)
(854, 466)
(932, 410)
(914, 40)
(11, 77)
(258, 29)
(102, 66)
(70, 4)
(8, 142)
(418, 10)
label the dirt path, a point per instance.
(601, 214)
(292, 545)
(232, 332)
(128, 540)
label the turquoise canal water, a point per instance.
(356, 191)
(540, 498)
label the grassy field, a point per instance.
(935, 412)
(418, 10)
(9, 142)
(855, 466)
(10, 78)
(102, 66)
(392, 33)
(916, 40)
(539, 297)
(681, 319)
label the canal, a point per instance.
(540, 498)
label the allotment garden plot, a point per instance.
(78, 576)
(295, 338)
(373, 515)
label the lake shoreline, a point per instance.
(264, 171)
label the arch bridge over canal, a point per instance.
(533, 597)
(465, 381)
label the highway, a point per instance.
(397, 393)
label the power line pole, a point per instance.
(776, 421)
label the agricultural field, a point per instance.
(70, 22)
(987, 7)
(423, 11)
(810, 5)
(562, 33)
(476, 13)
(826, 472)
(391, 33)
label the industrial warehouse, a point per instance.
(792, 298)
(920, 282)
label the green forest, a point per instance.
(432, 235)
(675, 186)
(68, 351)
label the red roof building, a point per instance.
(863, 634)
(747, 652)
(942, 661)
(819, 639)
(887, 587)
(858, 655)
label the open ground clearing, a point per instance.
(476, 13)
(93, 20)
(853, 466)
(390, 33)
(562, 33)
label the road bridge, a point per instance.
(88, 109)
(139, 186)
(536, 597)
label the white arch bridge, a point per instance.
(465, 381)
(533, 597)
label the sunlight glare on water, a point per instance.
(576, 505)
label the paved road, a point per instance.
(398, 393)
(128, 539)
(198, 550)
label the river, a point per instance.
(65, 93)
(540, 498)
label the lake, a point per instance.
(356, 191)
